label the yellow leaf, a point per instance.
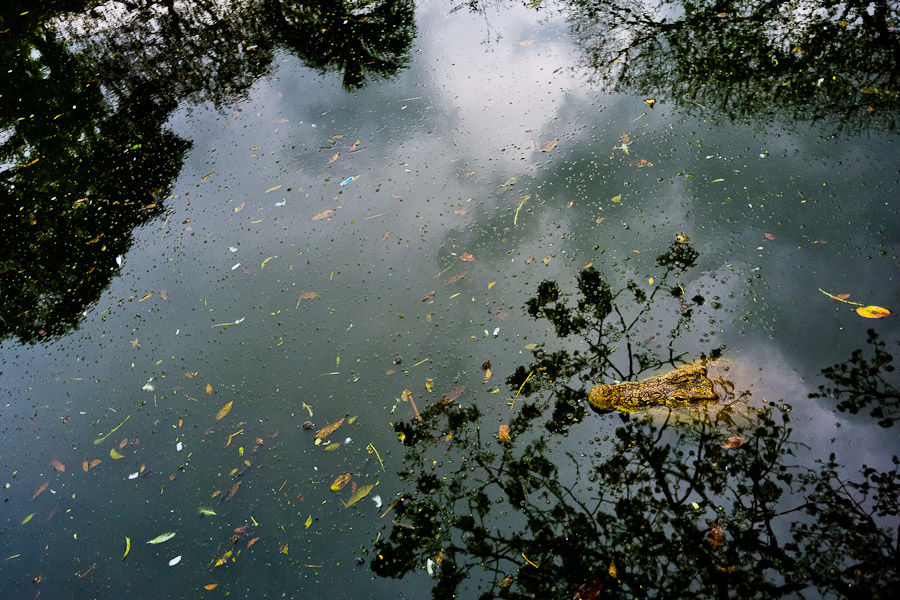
(429, 383)
(487, 375)
(549, 146)
(613, 572)
(503, 433)
(329, 429)
(223, 559)
(873, 312)
(224, 411)
(263, 266)
(334, 158)
(115, 455)
(28, 518)
(530, 346)
(272, 189)
(332, 447)
(650, 281)
(127, 547)
(340, 482)
(491, 284)
(617, 198)
(208, 389)
(308, 521)
(359, 495)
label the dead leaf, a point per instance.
(526, 43)
(589, 591)
(208, 388)
(650, 102)
(842, 296)
(428, 296)
(455, 277)
(429, 383)
(253, 541)
(97, 461)
(873, 312)
(466, 257)
(716, 535)
(460, 212)
(334, 158)
(232, 491)
(224, 411)
(323, 215)
(549, 145)
(769, 236)
(613, 572)
(734, 442)
(210, 586)
(487, 375)
(85, 466)
(58, 466)
(41, 489)
(163, 294)
(240, 208)
(503, 433)
(123, 443)
(340, 482)
(329, 429)
(626, 139)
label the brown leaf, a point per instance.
(85, 466)
(460, 212)
(466, 257)
(842, 296)
(504, 433)
(232, 491)
(253, 541)
(549, 145)
(97, 461)
(334, 158)
(769, 236)
(613, 572)
(716, 535)
(58, 466)
(240, 208)
(208, 388)
(589, 591)
(329, 429)
(41, 489)
(734, 442)
(163, 294)
(123, 443)
(211, 586)
(323, 215)
(455, 277)
(428, 296)
(340, 482)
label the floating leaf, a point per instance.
(127, 547)
(329, 429)
(123, 443)
(617, 198)
(466, 257)
(428, 296)
(429, 383)
(163, 293)
(58, 466)
(503, 433)
(526, 43)
(323, 215)
(208, 388)
(334, 158)
(115, 455)
(272, 189)
(222, 559)
(28, 518)
(206, 511)
(97, 461)
(263, 265)
(232, 491)
(163, 537)
(873, 312)
(734, 442)
(212, 586)
(40, 490)
(85, 466)
(359, 495)
(460, 212)
(650, 102)
(716, 535)
(340, 482)
(487, 375)
(308, 523)
(100, 439)
(253, 541)
(332, 447)
(550, 145)
(240, 208)
(224, 411)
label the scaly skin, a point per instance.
(688, 385)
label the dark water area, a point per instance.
(322, 289)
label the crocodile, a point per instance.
(691, 385)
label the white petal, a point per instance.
(174, 561)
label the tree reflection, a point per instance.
(861, 383)
(84, 156)
(715, 505)
(826, 60)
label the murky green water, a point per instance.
(286, 214)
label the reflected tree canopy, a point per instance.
(715, 503)
(84, 154)
(821, 61)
